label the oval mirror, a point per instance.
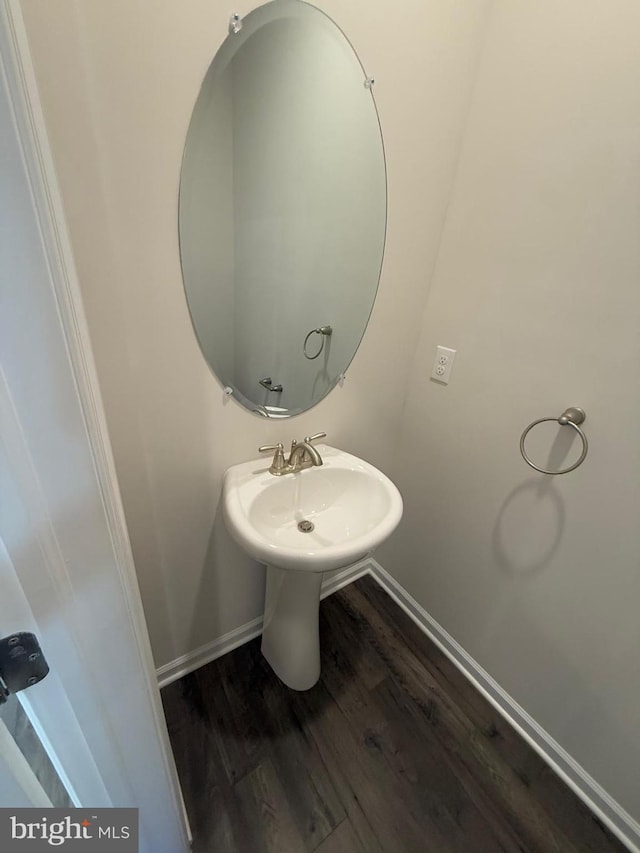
(282, 211)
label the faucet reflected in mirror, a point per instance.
(267, 383)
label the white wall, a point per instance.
(118, 81)
(536, 286)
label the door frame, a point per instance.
(70, 324)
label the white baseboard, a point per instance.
(346, 576)
(185, 664)
(596, 798)
(175, 669)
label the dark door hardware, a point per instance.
(22, 663)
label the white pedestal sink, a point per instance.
(301, 525)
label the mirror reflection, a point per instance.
(282, 209)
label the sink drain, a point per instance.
(305, 526)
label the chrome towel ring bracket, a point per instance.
(571, 417)
(324, 332)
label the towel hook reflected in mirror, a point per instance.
(324, 332)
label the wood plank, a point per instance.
(458, 734)
(267, 825)
(504, 738)
(414, 750)
(311, 797)
(367, 788)
(572, 815)
(560, 803)
(345, 649)
(318, 713)
(413, 768)
(198, 782)
(241, 740)
(343, 839)
(219, 825)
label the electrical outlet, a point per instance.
(442, 365)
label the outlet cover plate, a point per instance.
(442, 364)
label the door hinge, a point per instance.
(22, 663)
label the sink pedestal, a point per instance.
(290, 635)
(301, 525)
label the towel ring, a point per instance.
(323, 331)
(572, 417)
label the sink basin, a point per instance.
(347, 507)
(302, 525)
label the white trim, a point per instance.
(72, 757)
(46, 194)
(590, 792)
(193, 660)
(48, 204)
(203, 655)
(343, 577)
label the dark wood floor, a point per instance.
(393, 751)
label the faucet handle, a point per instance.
(315, 437)
(279, 462)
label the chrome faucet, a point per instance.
(302, 455)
